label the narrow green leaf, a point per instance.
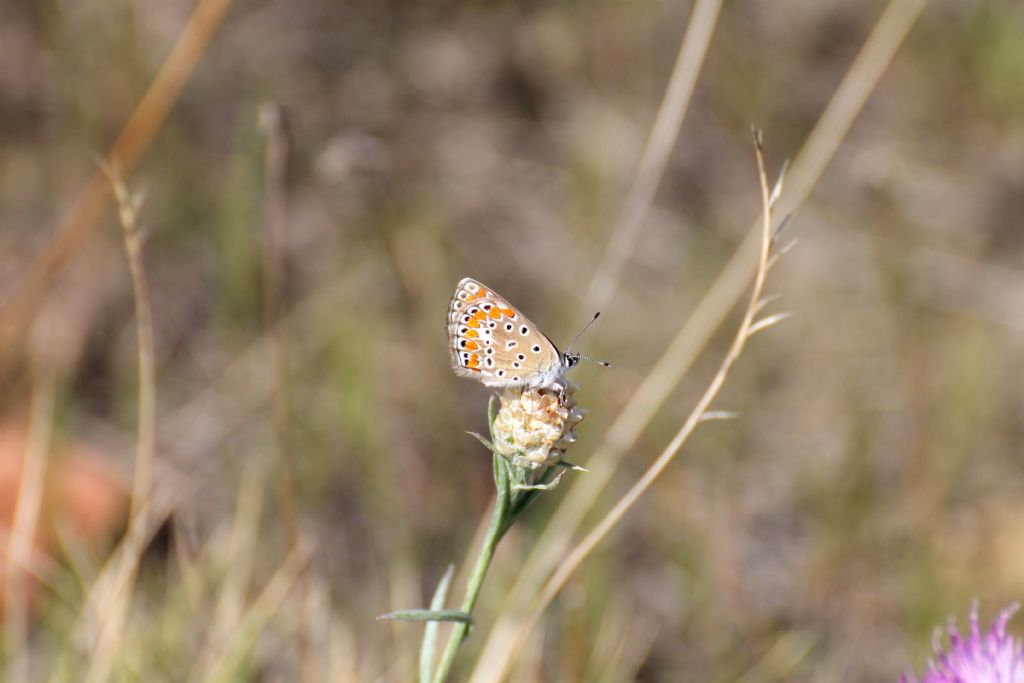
(430, 633)
(429, 615)
(482, 440)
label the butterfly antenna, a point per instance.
(577, 338)
(592, 360)
(580, 333)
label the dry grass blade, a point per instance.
(807, 167)
(275, 225)
(242, 545)
(226, 665)
(656, 153)
(621, 642)
(128, 211)
(871, 62)
(99, 629)
(87, 208)
(778, 663)
(768, 298)
(765, 323)
(26, 517)
(110, 595)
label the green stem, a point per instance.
(483, 563)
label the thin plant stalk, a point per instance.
(804, 173)
(81, 219)
(258, 613)
(656, 154)
(23, 530)
(748, 327)
(275, 225)
(242, 546)
(107, 603)
(128, 207)
(511, 501)
(691, 338)
(498, 526)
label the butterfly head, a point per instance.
(570, 360)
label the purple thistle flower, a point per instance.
(993, 657)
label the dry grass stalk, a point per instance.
(110, 595)
(803, 174)
(225, 666)
(87, 208)
(749, 326)
(275, 224)
(657, 151)
(19, 546)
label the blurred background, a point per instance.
(870, 487)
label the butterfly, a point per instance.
(493, 343)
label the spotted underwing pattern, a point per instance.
(492, 342)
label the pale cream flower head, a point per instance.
(535, 425)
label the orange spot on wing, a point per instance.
(495, 313)
(473, 361)
(472, 334)
(480, 315)
(472, 345)
(509, 313)
(472, 323)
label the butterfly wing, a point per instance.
(492, 342)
